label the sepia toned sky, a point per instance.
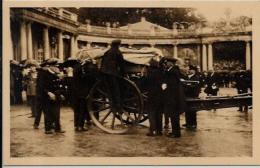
(215, 12)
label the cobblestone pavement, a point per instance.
(226, 133)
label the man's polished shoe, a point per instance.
(172, 135)
(60, 131)
(48, 132)
(80, 129)
(35, 126)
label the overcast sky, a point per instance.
(215, 12)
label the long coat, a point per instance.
(113, 62)
(174, 93)
(172, 96)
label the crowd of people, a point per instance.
(226, 65)
(50, 83)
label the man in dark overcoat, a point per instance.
(173, 94)
(50, 96)
(112, 66)
(154, 98)
(16, 82)
(242, 84)
(165, 94)
(83, 80)
(192, 90)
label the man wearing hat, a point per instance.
(112, 66)
(113, 61)
(192, 90)
(173, 94)
(16, 82)
(165, 95)
(49, 94)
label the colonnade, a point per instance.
(26, 42)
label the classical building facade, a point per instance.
(41, 33)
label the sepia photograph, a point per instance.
(97, 82)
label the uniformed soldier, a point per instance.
(173, 94)
(49, 91)
(165, 95)
(192, 90)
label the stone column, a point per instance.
(175, 51)
(248, 56)
(210, 57)
(199, 54)
(46, 43)
(204, 58)
(108, 28)
(23, 40)
(76, 47)
(29, 41)
(72, 46)
(60, 45)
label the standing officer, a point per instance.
(192, 90)
(49, 91)
(173, 94)
(165, 95)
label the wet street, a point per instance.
(223, 133)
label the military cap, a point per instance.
(51, 61)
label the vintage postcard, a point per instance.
(130, 83)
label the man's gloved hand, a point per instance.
(51, 96)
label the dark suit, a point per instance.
(48, 82)
(192, 90)
(112, 66)
(153, 85)
(173, 97)
(165, 95)
(243, 82)
(16, 79)
(83, 80)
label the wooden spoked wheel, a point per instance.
(111, 117)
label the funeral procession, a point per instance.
(130, 82)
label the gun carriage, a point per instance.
(103, 110)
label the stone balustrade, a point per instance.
(103, 31)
